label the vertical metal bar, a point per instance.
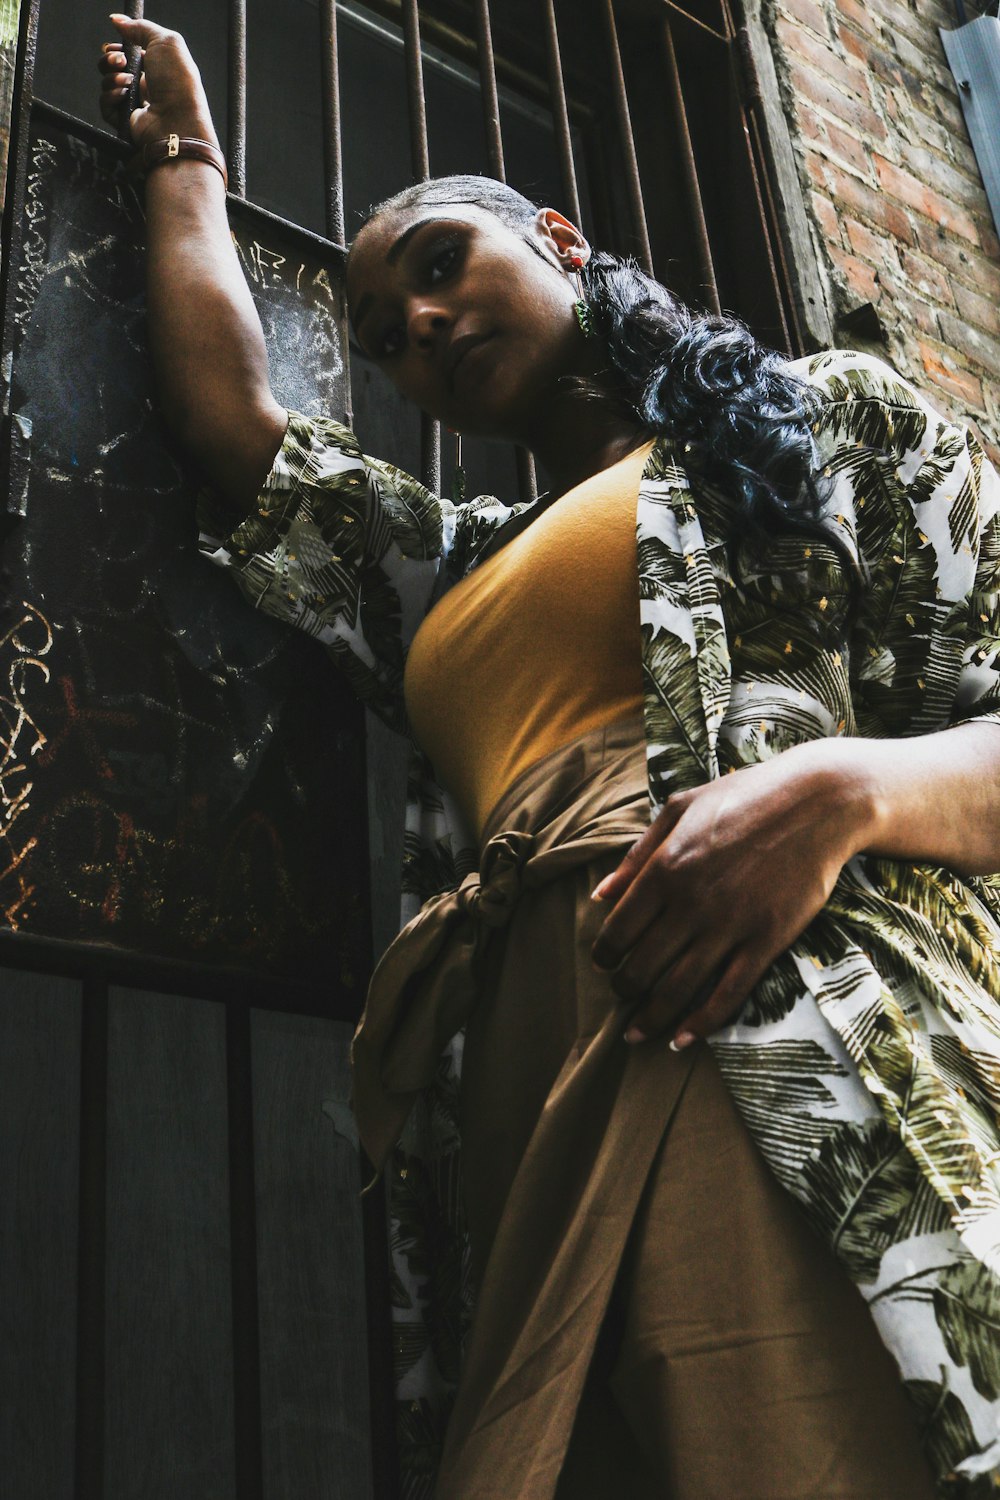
(237, 152)
(626, 141)
(743, 73)
(333, 161)
(527, 482)
(560, 115)
(430, 431)
(92, 1242)
(243, 1255)
(689, 169)
(14, 459)
(415, 101)
(488, 87)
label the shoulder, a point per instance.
(866, 404)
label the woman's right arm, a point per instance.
(206, 340)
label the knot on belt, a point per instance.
(427, 983)
(490, 895)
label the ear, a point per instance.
(562, 237)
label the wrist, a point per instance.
(851, 789)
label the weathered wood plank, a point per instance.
(39, 1175)
(311, 1293)
(169, 1420)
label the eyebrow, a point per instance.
(393, 253)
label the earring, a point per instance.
(458, 476)
(580, 306)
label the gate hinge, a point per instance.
(746, 70)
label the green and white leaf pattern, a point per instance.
(867, 1063)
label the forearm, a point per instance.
(205, 336)
(206, 339)
(934, 798)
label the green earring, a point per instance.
(580, 306)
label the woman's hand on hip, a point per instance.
(172, 96)
(723, 881)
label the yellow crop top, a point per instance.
(538, 645)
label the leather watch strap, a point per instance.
(175, 147)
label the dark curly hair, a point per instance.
(738, 415)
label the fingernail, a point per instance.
(635, 1034)
(681, 1040)
(597, 894)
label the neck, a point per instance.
(576, 436)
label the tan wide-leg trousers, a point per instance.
(656, 1319)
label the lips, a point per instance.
(457, 351)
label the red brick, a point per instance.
(856, 45)
(991, 449)
(982, 311)
(871, 205)
(907, 189)
(907, 308)
(977, 347)
(800, 43)
(942, 369)
(928, 278)
(944, 176)
(988, 238)
(960, 260)
(925, 58)
(860, 277)
(829, 219)
(861, 16)
(850, 150)
(813, 89)
(869, 245)
(809, 13)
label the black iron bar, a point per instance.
(488, 88)
(237, 102)
(333, 161)
(420, 164)
(626, 142)
(741, 60)
(560, 115)
(415, 100)
(679, 9)
(689, 170)
(91, 1351)
(527, 482)
(243, 1256)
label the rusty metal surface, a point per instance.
(488, 86)
(560, 114)
(237, 143)
(689, 169)
(626, 140)
(415, 101)
(333, 165)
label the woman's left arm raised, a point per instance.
(730, 873)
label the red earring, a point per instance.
(576, 261)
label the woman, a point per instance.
(818, 567)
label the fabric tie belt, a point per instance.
(426, 985)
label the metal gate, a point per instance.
(194, 1300)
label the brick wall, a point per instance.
(901, 216)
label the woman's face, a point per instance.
(466, 318)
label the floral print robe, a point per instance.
(866, 1063)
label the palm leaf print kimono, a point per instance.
(866, 1063)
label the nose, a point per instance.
(427, 323)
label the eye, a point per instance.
(442, 259)
(391, 341)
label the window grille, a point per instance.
(641, 119)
